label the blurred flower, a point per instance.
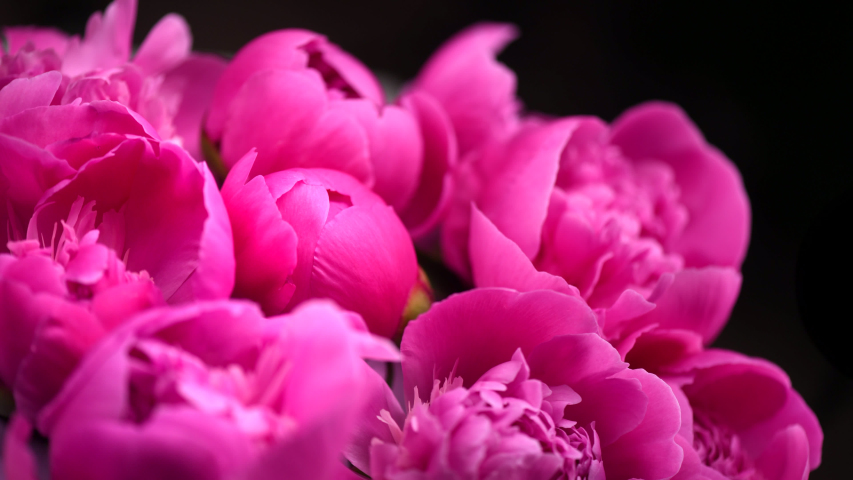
(742, 420)
(164, 82)
(213, 390)
(502, 382)
(317, 233)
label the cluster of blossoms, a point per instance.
(208, 271)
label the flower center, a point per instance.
(720, 448)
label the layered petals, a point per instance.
(317, 233)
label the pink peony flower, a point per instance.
(502, 384)
(316, 233)
(641, 214)
(101, 220)
(164, 82)
(213, 390)
(742, 420)
(57, 302)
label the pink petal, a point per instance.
(498, 262)
(173, 444)
(365, 261)
(795, 412)
(482, 328)
(43, 126)
(42, 38)
(587, 363)
(19, 463)
(279, 50)
(477, 92)
(107, 40)
(353, 72)
(264, 244)
(430, 200)
(655, 349)
(286, 116)
(516, 196)
(194, 81)
(25, 93)
(787, 457)
(369, 426)
(711, 187)
(168, 43)
(395, 148)
(649, 451)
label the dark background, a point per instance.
(765, 85)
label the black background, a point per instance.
(766, 84)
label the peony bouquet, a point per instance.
(208, 270)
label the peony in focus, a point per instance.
(627, 217)
(213, 390)
(317, 233)
(502, 384)
(164, 82)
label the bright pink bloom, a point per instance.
(317, 233)
(502, 382)
(166, 83)
(742, 420)
(627, 217)
(477, 92)
(213, 390)
(56, 302)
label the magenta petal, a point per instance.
(42, 38)
(498, 262)
(396, 149)
(787, 456)
(795, 411)
(711, 187)
(369, 426)
(279, 50)
(430, 200)
(194, 81)
(373, 275)
(654, 349)
(477, 92)
(107, 40)
(24, 93)
(482, 328)
(516, 198)
(18, 461)
(43, 126)
(286, 116)
(175, 444)
(699, 300)
(168, 43)
(649, 451)
(264, 244)
(353, 72)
